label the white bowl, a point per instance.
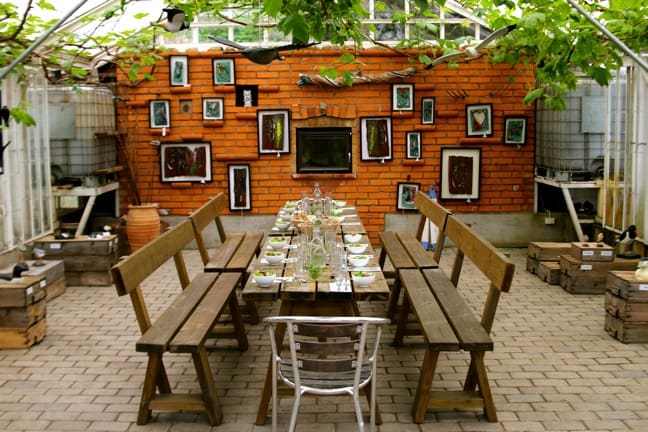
(282, 224)
(277, 242)
(352, 238)
(274, 257)
(339, 203)
(362, 279)
(264, 277)
(359, 260)
(357, 248)
(288, 210)
(285, 216)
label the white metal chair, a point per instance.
(326, 357)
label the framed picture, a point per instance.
(402, 97)
(479, 120)
(427, 110)
(413, 143)
(515, 130)
(460, 172)
(239, 187)
(212, 109)
(223, 70)
(405, 195)
(159, 114)
(376, 138)
(178, 70)
(185, 162)
(247, 95)
(273, 131)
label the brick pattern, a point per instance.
(506, 171)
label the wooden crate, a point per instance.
(87, 260)
(629, 311)
(532, 265)
(574, 267)
(549, 271)
(623, 284)
(23, 307)
(592, 251)
(548, 251)
(590, 284)
(54, 273)
(626, 331)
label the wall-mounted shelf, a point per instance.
(180, 89)
(246, 116)
(413, 161)
(224, 89)
(213, 123)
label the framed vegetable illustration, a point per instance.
(405, 195)
(402, 97)
(273, 131)
(223, 71)
(515, 130)
(427, 110)
(239, 187)
(185, 162)
(178, 70)
(413, 143)
(479, 120)
(159, 114)
(376, 138)
(213, 109)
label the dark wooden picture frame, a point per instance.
(223, 71)
(238, 176)
(460, 169)
(376, 138)
(414, 146)
(479, 120)
(178, 70)
(405, 193)
(402, 97)
(273, 128)
(159, 114)
(515, 130)
(185, 162)
(427, 110)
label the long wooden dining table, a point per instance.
(321, 297)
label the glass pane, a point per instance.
(456, 31)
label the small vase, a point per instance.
(142, 224)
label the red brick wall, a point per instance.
(506, 171)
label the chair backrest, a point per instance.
(490, 261)
(329, 351)
(208, 213)
(437, 214)
(129, 273)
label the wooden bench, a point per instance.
(405, 250)
(183, 327)
(237, 249)
(449, 324)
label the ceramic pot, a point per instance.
(142, 224)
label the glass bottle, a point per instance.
(317, 252)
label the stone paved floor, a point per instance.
(554, 368)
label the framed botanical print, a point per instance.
(223, 71)
(515, 130)
(479, 120)
(239, 187)
(402, 97)
(212, 109)
(159, 114)
(405, 195)
(376, 138)
(185, 162)
(273, 131)
(427, 110)
(413, 143)
(460, 168)
(178, 70)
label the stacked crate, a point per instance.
(23, 305)
(626, 307)
(585, 269)
(543, 260)
(87, 259)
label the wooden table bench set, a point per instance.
(442, 316)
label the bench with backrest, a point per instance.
(448, 323)
(185, 325)
(237, 250)
(405, 250)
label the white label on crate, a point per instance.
(55, 245)
(643, 287)
(588, 253)
(43, 283)
(586, 267)
(29, 290)
(606, 253)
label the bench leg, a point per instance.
(237, 321)
(393, 298)
(422, 395)
(401, 325)
(478, 369)
(155, 377)
(206, 380)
